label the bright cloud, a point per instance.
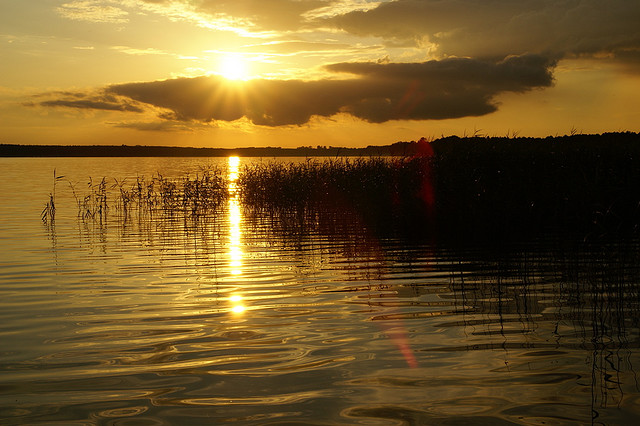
(132, 51)
(94, 11)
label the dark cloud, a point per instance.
(379, 92)
(515, 73)
(372, 91)
(211, 98)
(100, 102)
(497, 28)
(199, 98)
(450, 88)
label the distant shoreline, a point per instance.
(8, 150)
(396, 149)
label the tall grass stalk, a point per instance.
(48, 214)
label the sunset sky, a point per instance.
(220, 73)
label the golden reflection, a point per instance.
(235, 237)
(235, 216)
(234, 219)
(234, 166)
(236, 304)
(238, 309)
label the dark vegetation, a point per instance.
(189, 196)
(383, 195)
(12, 150)
(585, 184)
(458, 188)
(451, 188)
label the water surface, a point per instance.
(257, 317)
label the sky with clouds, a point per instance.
(225, 73)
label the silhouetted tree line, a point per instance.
(398, 149)
(9, 150)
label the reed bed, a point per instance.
(189, 196)
(471, 187)
(587, 184)
(452, 187)
(382, 191)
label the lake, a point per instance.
(259, 317)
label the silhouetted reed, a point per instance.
(48, 214)
(383, 191)
(453, 187)
(471, 187)
(188, 196)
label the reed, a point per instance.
(475, 187)
(189, 196)
(48, 214)
(362, 181)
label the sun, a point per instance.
(234, 67)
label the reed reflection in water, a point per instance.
(309, 315)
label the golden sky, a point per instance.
(227, 73)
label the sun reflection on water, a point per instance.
(234, 166)
(235, 233)
(236, 304)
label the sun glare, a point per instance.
(234, 67)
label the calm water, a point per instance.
(257, 318)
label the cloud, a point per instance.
(279, 15)
(79, 100)
(294, 47)
(491, 29)
(198, 98)
(245, 17)
(375, 92)
(341, 7)
(155, 126)
(93, 11)
(515, 73)
(497, 28)
(138, 52)
(449, 88)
